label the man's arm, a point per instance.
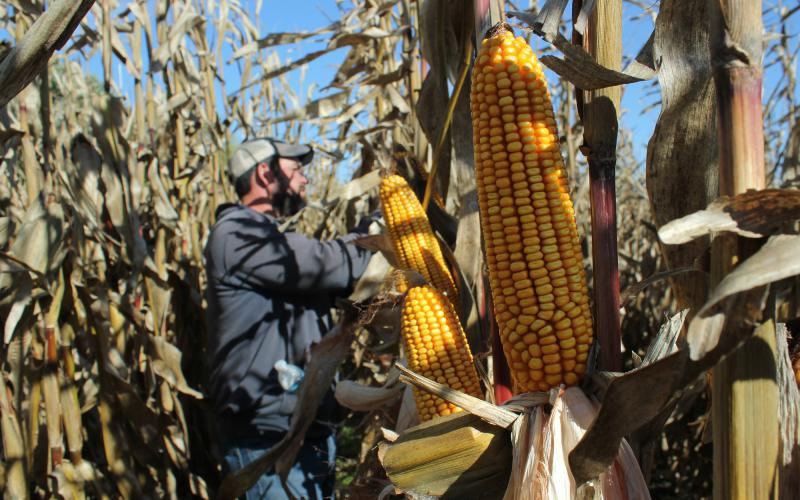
(264, 258)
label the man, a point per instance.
(269, 299)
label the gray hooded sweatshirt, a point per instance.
(269, 297)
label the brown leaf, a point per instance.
(752, 214)
(580, 69)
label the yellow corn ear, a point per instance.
(532, 246)
(414, 242)
(437, 348)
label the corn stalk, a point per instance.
(745, 392)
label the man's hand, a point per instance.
(371, 223)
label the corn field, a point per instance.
(107, 197)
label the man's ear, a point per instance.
(264, 173)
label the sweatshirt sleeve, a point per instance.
(262, 257)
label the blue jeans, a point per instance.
(312, 476)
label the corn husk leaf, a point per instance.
(458, 456)
(753, 214)
(543, 442)
(776, 260)
(360, 397)
(788, 418)
(408, 416)
(635, 399)
(372, 280)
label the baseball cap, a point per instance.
(251, 153)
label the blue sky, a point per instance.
(309, 15)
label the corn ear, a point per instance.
(531, 240)
(437, 348)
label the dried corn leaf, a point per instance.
(637, 288)
(39, 242)
(324, 108)
(21, 299)
(7, 228)
(187, 20)
(776, 260)
(580, 69)
(666, 341)
(789, 417)
(16, 483)
(274, 39)
(337, 42)
(166, 361)
(492, 414)
(547, 21)
(752, 214)
(164, 209)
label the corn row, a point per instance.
(437, 348)
(532, 246)
(414, 242)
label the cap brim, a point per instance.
(302, 152)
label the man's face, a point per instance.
(296, 179)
